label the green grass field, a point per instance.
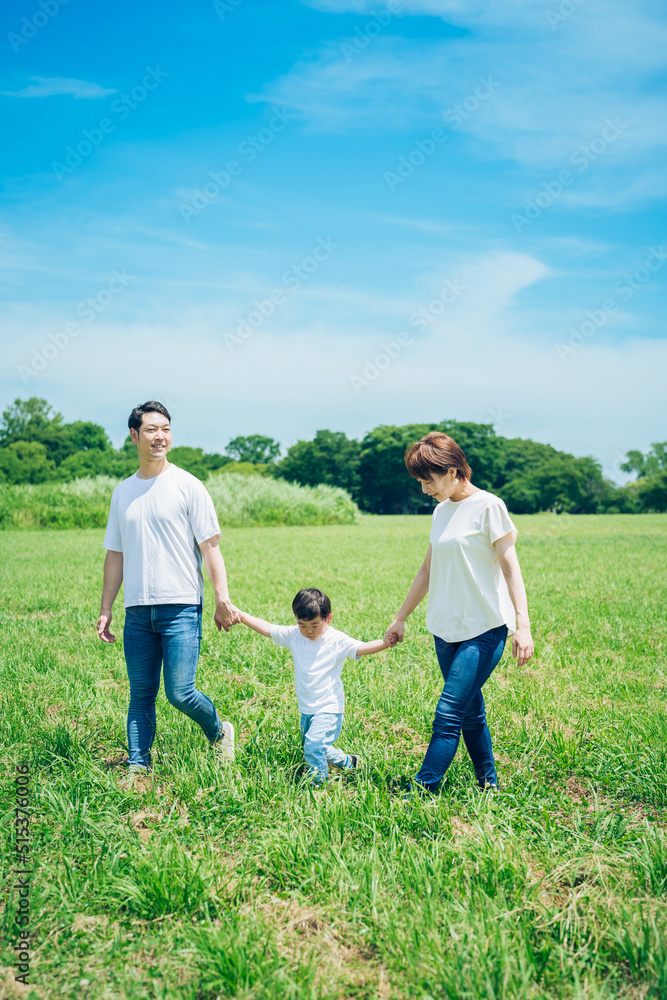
(196, 883)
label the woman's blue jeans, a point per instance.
(465, 666)
(168, 636)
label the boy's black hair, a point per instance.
(311, 603)
(152, 406)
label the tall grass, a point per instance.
(240, 500)
(195, 883)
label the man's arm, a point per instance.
(113, 577)
(256, 624)
(226, 614)
(376, 646)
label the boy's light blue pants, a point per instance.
(318, 734)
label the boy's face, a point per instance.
(314, 628)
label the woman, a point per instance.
(476, 596)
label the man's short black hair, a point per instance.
(152, 406)
(311, 603)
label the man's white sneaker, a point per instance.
(224, 745)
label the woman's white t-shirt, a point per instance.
(468, 593)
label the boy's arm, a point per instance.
(376, 646)
(256, 624)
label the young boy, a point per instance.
(319, 652)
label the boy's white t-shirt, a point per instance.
(158, 524)
(468, 593)
(318, 664)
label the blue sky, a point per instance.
(278, 217)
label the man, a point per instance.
(162, 525)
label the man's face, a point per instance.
(153, 439)
(313, 628)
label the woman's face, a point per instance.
(440, 487)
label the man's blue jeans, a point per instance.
(167, 635)
(318, 734)
(465, 666)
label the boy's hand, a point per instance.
(226, 615)
(395, 632)
(390, 640)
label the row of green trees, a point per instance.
(528, 475)
(36, 445)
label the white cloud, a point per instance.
(59, 86)
(463, 12)
(483, 356)
(555, 88)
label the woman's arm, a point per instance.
(256, 624)
(415, 596)
(522, 640)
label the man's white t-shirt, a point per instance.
(318, 664)
(158, 524)
(468, 593)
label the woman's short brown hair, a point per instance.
(436, 453)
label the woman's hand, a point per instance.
(395, 632)
(522, 645)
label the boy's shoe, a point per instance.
(224, 745)
(353, 763)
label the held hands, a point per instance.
(103, 623)
(522, 645)
(226, 615)
(395, 633)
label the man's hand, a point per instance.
(103, 623)
(522, 645)
(226, 615)
(395, 632)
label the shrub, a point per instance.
(239, 500)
